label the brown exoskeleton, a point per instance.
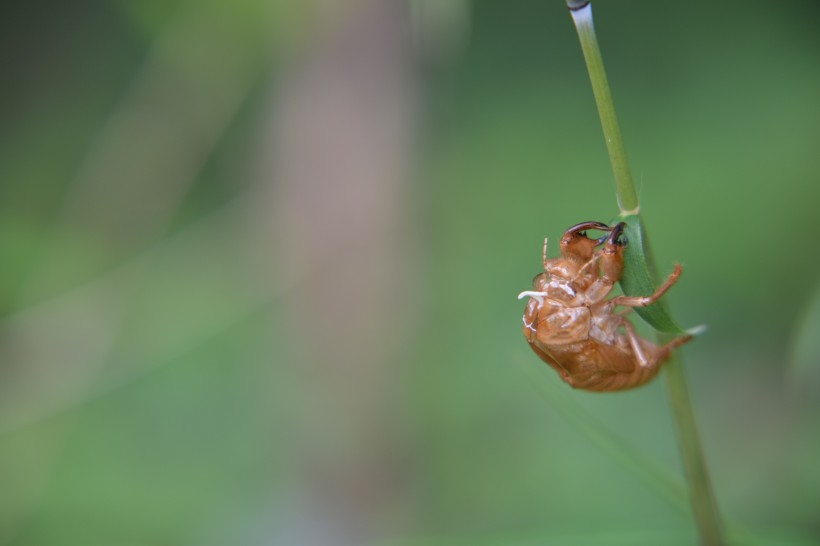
(571, 325)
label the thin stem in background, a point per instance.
(702, 499)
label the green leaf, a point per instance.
(638, 280)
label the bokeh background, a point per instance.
(259, 264)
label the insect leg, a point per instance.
(635, 344)
(666, 350)
(592, 261)
(659, 354)
(583, 226)
(544, 255)
(643, 301)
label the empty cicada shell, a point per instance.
(573, 327)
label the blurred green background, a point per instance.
(260, 259)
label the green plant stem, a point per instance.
(625, 188)
(701, 496)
